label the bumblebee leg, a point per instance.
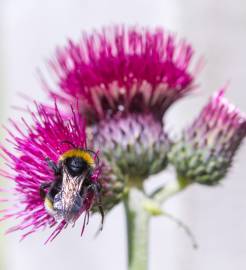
(53, 166)
(42, 190)
(96, 189)
(100, 208)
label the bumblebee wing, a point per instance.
(70, 191)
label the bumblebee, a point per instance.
(69, 194)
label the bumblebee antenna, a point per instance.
(68, 142)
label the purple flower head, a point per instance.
(136, 146)
(206, 151)
(123, 70)
(43, 168)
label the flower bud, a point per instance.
(207, 148)
(136, 146)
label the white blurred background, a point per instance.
(29, 32)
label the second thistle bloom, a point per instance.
(206, 150)
(123, 70)
(56, 177)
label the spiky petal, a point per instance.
(120, 69)
(32, 145)
(206, 151)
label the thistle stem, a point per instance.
(137, 229)
(170, 190)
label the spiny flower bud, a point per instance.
(136, 146)
(206, 150)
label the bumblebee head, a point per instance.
(77, 161)
(76, 166)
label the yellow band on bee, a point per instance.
(86, 156)
(48, 204)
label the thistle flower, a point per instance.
(206, 150)
(125, 79)
(126, 70)
(36, 154)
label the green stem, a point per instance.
(169, 190)
(137, 229)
